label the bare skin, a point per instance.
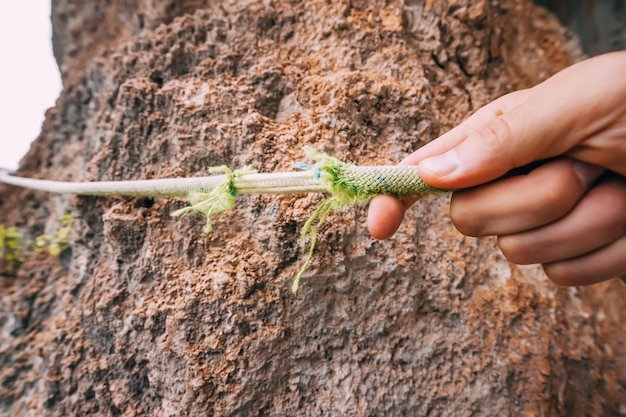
(569, 214)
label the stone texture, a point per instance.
(599, 23)
(148, 315)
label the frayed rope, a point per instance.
(221, 198)
(342, 195)
(347, 184)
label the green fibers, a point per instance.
(310, 230)
(352, 184)
(220, 199)
(348, 185)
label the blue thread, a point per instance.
(303, 166)
(381, 178)
(317, 173)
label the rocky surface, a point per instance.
(148, 315)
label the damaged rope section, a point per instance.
(347, 185)
(351, 184)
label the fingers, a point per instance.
(605, 263)
(385, 214)
(598, 220)
(557, 216)
(555, 118)
(455, 136)
(524, 202)
(504, 143)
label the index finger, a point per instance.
(458, 134)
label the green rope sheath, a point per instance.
(347, 184)
(351, 184)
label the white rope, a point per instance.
(273, 183)
(347, 184)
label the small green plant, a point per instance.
(11, 246)
(14, 247)
(56, 242)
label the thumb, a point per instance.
(503, 143)
(557, 115)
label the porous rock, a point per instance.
(145, 314)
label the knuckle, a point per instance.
(496, 133)
(516, 251)
(465, 220)
(560, 187)
(561, 275)
(558, 194)
(555, 204)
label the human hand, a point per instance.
(569, 214)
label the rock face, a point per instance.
(600, 23)
(148, 315)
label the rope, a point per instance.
(347, 184)
(351, 184)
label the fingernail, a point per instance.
(441, 165)
(587, 173)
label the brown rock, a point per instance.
(148, 315)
